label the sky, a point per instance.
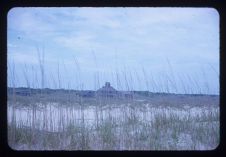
(156, 49)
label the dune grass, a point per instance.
(152, 129)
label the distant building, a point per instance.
(107, 91)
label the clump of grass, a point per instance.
(107, 134)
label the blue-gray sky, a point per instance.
(155, 49)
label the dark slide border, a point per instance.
(6, 5)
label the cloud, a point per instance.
(23, 58)
(79, 42)
(11, 45)
(188, 37)
(27, 20)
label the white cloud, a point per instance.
(26, 20)
(79, 42)
(23, 58)
(11, 45)
(140, 36)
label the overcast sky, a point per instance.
(156, 49)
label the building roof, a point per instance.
(107, 88)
